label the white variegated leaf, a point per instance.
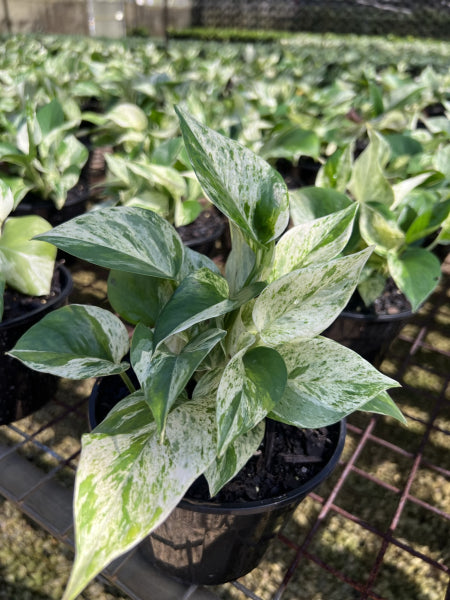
(305, 302)
(76, 342)
(241, 184)
(326, 382)
(316, 241)
(252, 383)
(123, 238)
(223, 469)
(128, 483)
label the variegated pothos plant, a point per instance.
(248, 338)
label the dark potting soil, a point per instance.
(391, 302)
(17, 304)
(208, 225)
(297, 456)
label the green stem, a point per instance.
(127, 381)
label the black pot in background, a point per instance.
(208, 543)
(200, 237)
(75, 205)
(22, 390)
(368, 335)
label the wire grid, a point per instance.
(400, 17)
(31, 466)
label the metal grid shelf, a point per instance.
(385, 507)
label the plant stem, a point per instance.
(127, 381)
(269, 442)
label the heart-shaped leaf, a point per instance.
(76, 342)
(242, 185)
(251, 385)
(416, 272)
(200, 296)
(313, 242)
(305, 302)
(123, 238)
(26, 264)
(326, 382)
(166, 374)
(123, 462)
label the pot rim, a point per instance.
(66, 288)
(377, 317)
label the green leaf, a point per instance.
(141, 351)
(138, 298)
(305, 302)
(368, 182)
(76, 342)
(50, 117)
(251, 385)
(122, 463)
(311, 203)
(128, 116)
(326, 382)
(166, 153)
(6, 203)
(240, 261)
(236, 456)
(404, 187)
(384, 405)
(416, 272)
(378, 227)
(26, 264)
(291, 142)
(128, 239)
(336, 172)
(313, 242)
(167, 374)
(200, 296)
(242, 185)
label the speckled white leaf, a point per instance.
(128, 483)
(240, 183)
(384, 405)
(313, 242)
(304, 302)
(326, 382)
(76, 342)
(252, 383)
(6, 202)
(128, 116)
(27, 264)
(200, 296)
(368, 182)
(123, 238)
(165, 374)
(235, 458)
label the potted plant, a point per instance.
(42, 162)
(216, 356)
(403, 218)
(30, 287)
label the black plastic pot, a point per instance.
(368, 335)
(22, 390)
(207, 543)
(74, 205)
(193, 236)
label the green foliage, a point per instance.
(26, 265)
(249, 340)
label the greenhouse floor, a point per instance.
(378, 529)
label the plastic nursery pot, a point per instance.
(208, 543)
(22, 390)
(368, 335)
(202, 234)
(74, 205)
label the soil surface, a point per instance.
(17, 304)
(209, 225)
(391, 302)
(297, 456)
